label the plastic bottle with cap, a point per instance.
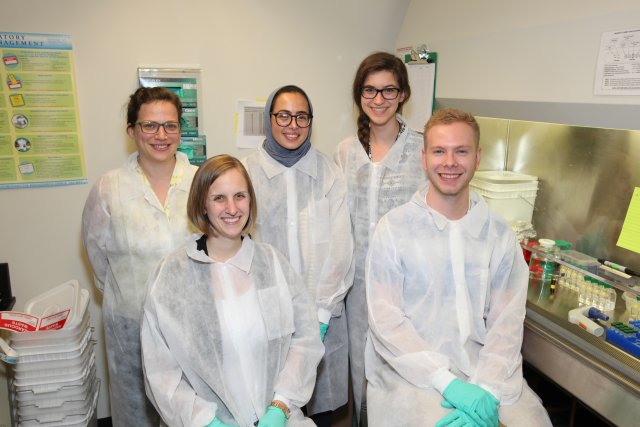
(542, 267)
(563, 271)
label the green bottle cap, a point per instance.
(564, 245)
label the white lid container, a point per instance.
(72, 374)
(76, 420)
(64, 296)
(73, 366)
(59, 361)
(50, 349)
(58, 412)
(50, 388)
(43, 338)
(510, 194)
(65, 393)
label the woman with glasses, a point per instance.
(383, 168)
(303, 213)
(134, 216)
(228, 334)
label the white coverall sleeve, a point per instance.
(393, 335)
(173, 397)
(336, 274)
(298, 375)
(96, 220)
(501, 355)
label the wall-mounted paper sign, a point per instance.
(40, 137)
(618, 67)
(249, 124)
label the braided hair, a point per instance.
(377, 61)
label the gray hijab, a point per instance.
(283, 155)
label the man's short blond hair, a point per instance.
(447, 116)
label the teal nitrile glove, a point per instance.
(323, 330)
(217, 423)
(274, 417)
(475, 401)
(456, 418)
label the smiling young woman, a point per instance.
(382, 168)
(220, 317)
(134, 216)
(302, 199)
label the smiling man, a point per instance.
(446, 288)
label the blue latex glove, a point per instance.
(475, 401)
(456, 418)
(217, 423)
(323, 330)
(274, 417)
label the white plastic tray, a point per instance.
(75, 365)
(53, 379)
(504, 177)
(44, 368)
(69, 332)
(58, 412)
(63, 296)
(49, 390)
(81, 420)
(51, 349)
(67, 393)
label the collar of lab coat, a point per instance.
(393, 157)
(308, 164)
(473, 222)
(133, 191)
(241, 260)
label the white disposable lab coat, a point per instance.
(184, 339)
(126, 231)
(302, 212)
(372, 190)
(445, 298)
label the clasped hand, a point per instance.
(473, 406)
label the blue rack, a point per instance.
(625, 336)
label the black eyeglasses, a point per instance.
(284, 119)
(388, 93)
(148, 126)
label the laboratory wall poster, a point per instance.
(618, 68)
(184, 82)
(40, 138)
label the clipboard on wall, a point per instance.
(422, 79)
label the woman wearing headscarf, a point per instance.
(302, 199)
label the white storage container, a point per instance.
(50, 389)
(511, 194)
(54, 382)
(54, 367)
(60, 394)
(47, 412)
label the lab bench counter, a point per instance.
(601, 375)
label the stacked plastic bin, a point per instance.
(54, 381)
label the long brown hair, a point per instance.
(377, 61)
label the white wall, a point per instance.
(517, 50)
(245, 48)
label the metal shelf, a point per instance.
(601, 375)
